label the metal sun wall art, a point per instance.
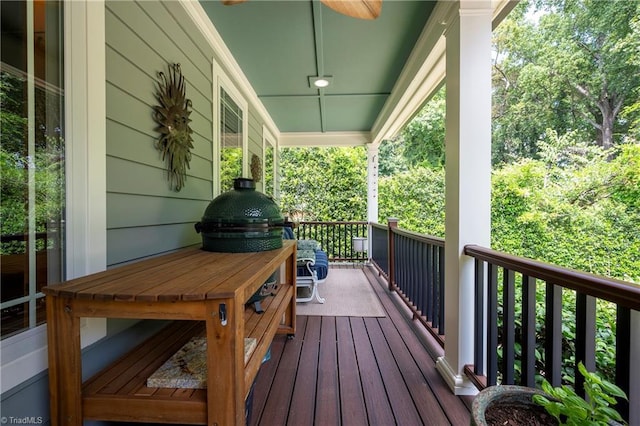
(172, 116)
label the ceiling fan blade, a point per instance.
(361, 9)
(232, 2)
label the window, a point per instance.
(32, 157)
(231, 141)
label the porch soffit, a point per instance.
(383, 70)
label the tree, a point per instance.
(422, 139)
(16, 162)
(390, 158)
(574, 68)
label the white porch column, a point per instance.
(372, 189)
(467, 178)
(372, 183)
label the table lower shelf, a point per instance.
(120, 392)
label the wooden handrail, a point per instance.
(610, 289)
(420, 237)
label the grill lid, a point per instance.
(241, 220)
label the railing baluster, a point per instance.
(585, 337)
(623, 357)
(401, 261)
(428, 297)
(528, 331)
(492, 325)
(340, 241)
(508, 326)
(405, 269)
(424, 282)
(415, 281)
(391, 253)
(553, 334)
(433, 281)
(441, 283)
(478, 361)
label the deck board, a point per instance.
(354, 371)
(328, 387)
(301, 410)
(353, 408)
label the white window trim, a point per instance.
(25, 355)
(269, 140)
(221, 80)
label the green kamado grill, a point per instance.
(241, 220)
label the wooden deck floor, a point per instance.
(354, 371)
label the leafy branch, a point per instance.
(570, 409)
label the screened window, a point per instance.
(231, 137)
(32, 160)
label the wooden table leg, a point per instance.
(225, 362)
(65, 365)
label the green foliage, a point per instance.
(48, 181)
(391, 160)
(269, 171)
(573, 208)
(230, 167)
(39, 174)
(326, 184)
(416, 198)
(572, 410)
(422, 140)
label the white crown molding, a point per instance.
(326, 139)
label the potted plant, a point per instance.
(521, 405)
(570, 409)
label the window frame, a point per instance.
(24, 355)
(222, 81)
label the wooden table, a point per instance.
(193, 286)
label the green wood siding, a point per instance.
(144, 216)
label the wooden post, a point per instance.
(392, 224)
